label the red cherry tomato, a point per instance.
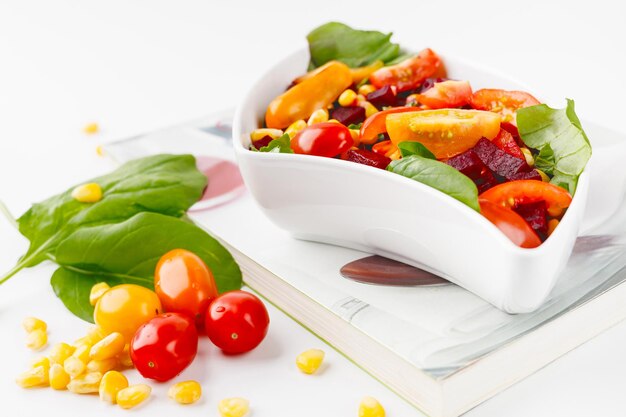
(503, 102)
(510, 223)
(411, 73)
(447, 94)
(184, 284)
(376, 124)
(322, 139)
(164, 346)
(513, 193)
(237, 321)
(507, 143)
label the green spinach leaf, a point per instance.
(544, 160)
(128, 252)
(355, 48)
(540, 126)
(279, 145)
(408, 148)
(439, 176)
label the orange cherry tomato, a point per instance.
(445, 132)
(510, 223)
(447, 94)
(502, 102)
(411, 73)
(184, 284)
(376, 124)
(513, 193)
(314, 91)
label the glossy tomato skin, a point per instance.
(447, 94)
(184, 284)
(322, 139)
(376, 124)
(513, 193)
(237, 321)
(504, 102)
(163, 347)
(411, 73)
(510, 223)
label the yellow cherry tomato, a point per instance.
(125, 307)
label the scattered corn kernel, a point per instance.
(552, 224)
(186, 392)
(99, 150)
(58, 377)
(528, 156)
(133, 395)
(109, 347)
(259, 134)
(347, 98)
(318, 116)
(102, 365)
(310, 360)
(97, 291)
(60, 352)
(365, 89)
(333, 121)
(95, 334)
(33, 323)
(110, 384)
(34, 377)
(87, 193)
(91, 128)
(82, 352)
(85, 384)
(43, 361)
(370, 407)
(544, 176)
(370, 109)
(37, 339)
(356, 137)
(295, 127)
(360, 99)
(124, 357)
(233, 407)
(74, 366)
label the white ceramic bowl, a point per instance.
(352, 205)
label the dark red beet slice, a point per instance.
(535, 215)
(507, 143)
(531, 175)
(365, 157)
(264, 141)
(348, 115)
(470, 164)
(382, 97)
(498, 161)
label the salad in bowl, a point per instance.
(420, 158)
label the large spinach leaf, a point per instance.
(438, 175)
(557, 134)
(355, 48)
(128, 252)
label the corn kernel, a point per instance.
(528, 156)
(544, 176)
(347, 98)
(295, 127)
(102, 365)
(259, 134)
(333, 121)
(360, 99)
(97, 291)
(365, 89)
(356, 137)
(85, 384)
(124, 358)
(60, 352)
(110, 384)
(82, 352)
(109, 347)
(37, 339)
(310, 360)
(99, 150)
(233, 407)
(74, 366)
(95, 334)
(34, 377)
(370, 109)
(87, 193)
(43, 361)
(552, 224)
(318, 116)
(186, 392)
(370, 407)
(32, 323)
(133, 395)
(58, 377)
(91, 128)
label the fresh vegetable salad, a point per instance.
(503, 153)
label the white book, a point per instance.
(438, 346)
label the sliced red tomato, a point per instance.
(514, 193)
(503, 102)
(510, 223)
(376, 124)
(507, 143)
(411, 73)
(445, 132)
(322, 139)
(447, 94)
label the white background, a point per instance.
(134, 66)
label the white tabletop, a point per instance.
(137, 66)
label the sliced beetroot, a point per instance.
(348, 115)
(469, 163)
(535, 215)
(365, 157)
(531, 175)
(264, 141)
(384, 96)
(507, 143)
(498, 161)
